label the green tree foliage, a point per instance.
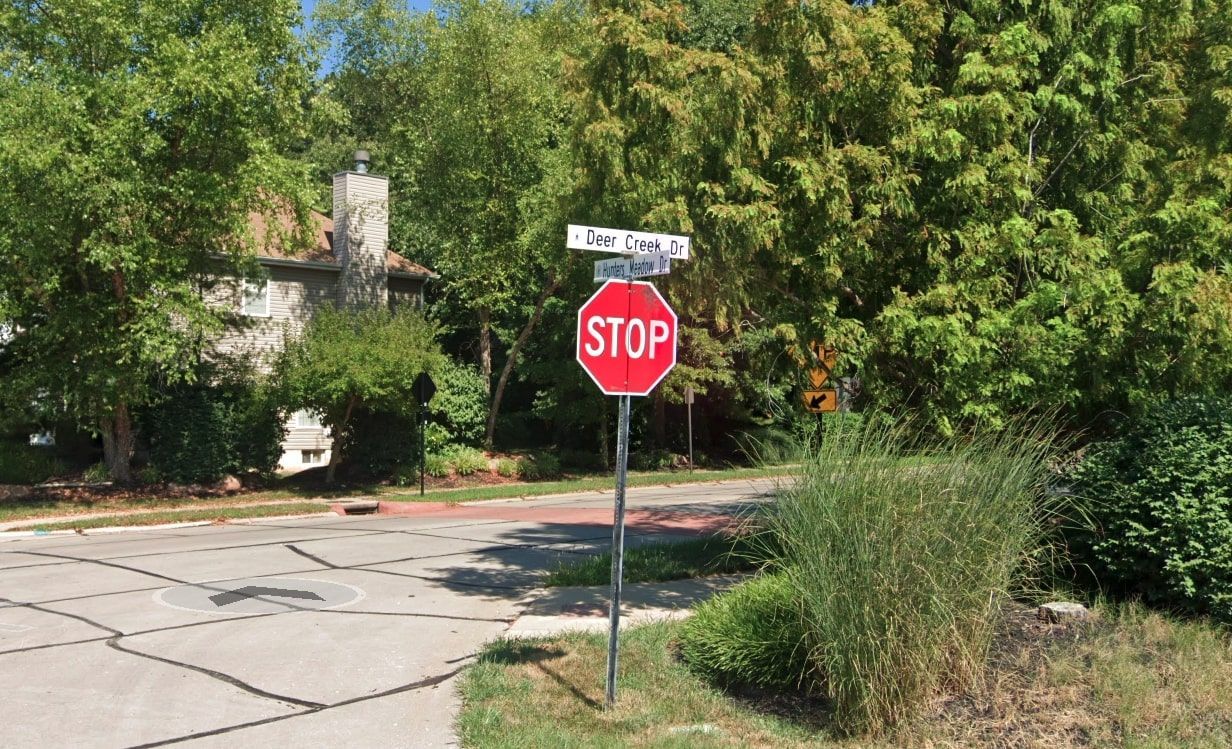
(225, 422)
(474, 152)
(1160, 495)
(349, 359)
(137, 139)
(983, 206)
(485, 166)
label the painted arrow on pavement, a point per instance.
(256, 591)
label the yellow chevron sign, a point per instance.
(825, 358)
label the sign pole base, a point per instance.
(618, 548)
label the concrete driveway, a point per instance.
(343, 631)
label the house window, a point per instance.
(305, 419)
(311, 457)
(256, 298)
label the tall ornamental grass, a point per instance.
(901, 567)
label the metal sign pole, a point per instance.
(618, 546)
(423, 427)
(688, 400)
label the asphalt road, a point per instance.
(344, 631)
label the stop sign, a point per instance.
(626, 337)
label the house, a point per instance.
(348, 264)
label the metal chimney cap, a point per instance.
(362, 158)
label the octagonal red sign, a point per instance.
(626, 337)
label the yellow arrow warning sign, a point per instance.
(821, 401)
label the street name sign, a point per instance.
(626, 337)
(600, 239)
(638, 266)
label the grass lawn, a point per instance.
(1133, 678)
(184, 516)
(655, 563)
(27, 510)
(593, 483)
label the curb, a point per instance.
(16, 534)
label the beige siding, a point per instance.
(295, 296)
(361, 235)
(311, 438)
(405, 293)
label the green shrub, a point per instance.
(468, 461)
(901, 571)
(507, 467)
(461, 402)
(650, 460)
(770, 446)
(97, 473)
(436, 465)
(378, 443)
(436, 439)
(23, 464)
(225, 423)
(539, 467)
(582, 460)
(1160, 495)
(751, 635)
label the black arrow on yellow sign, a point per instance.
(821, 401)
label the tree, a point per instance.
(137, 139)
(485, 171)
(983, 207)
(348, 359)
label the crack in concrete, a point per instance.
(415, 685)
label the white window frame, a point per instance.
(305, 419)
(311, 457)
(255, 290)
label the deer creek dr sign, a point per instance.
(626, 337)
(601, 239)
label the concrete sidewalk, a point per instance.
(585, 609)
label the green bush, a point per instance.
(770, 446)
(378, 443)
(225, 423)
(507, 467)
(582, 460)
(650, 460)
(751, 635)
(23, 464)
(461, 402)
(97, 473)
(539, 467)
(902, 570)
(468, 461)
(436, 465)
(898, 572)
(1160, 496)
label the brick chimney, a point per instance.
(361, 235)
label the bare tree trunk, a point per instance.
(512, 359)
(335, 452)
(485, 349)
(118, 440)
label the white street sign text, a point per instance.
(621, 240)
(653, 264)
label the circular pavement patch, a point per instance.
(259, 595)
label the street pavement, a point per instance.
(322, 631)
